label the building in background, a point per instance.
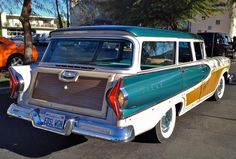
(10, 25)
(220, 23)
(217, 23)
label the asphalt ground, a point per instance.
(206, 132)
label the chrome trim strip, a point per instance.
(68, 75)
(125, 94)
(73, 125)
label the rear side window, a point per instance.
(156, 54)
(185, 53)
(198, 47)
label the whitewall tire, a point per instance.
(166, 125)
(219, 93)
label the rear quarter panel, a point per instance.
(149, 89)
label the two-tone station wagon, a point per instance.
(116, 82)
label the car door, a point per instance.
(193, 72)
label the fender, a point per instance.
(25, 72)
(148, 119)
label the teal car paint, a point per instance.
(147, 90)
(194, 74)
(144, 90)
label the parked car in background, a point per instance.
(218, 44)
(44, 40)
(36, 38)
(116, 82)
(41, 39)
(12, 54)
(18, 39)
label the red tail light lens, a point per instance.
(15, 83)
(116, 98)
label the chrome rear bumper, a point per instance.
(73, 125)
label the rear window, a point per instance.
(90, 52)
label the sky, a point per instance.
(47, 5)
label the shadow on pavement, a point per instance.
(148, 137)
(20, 137)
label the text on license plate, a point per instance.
(53, 120)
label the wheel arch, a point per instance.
(178, 107)
(226, 75)
(13, 55)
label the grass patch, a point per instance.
(4, 79)
(4, 82)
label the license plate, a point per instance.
(53, 120)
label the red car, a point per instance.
(12, 54)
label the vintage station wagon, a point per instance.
(116, 82)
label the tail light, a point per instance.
(118, 98)
(16, 83)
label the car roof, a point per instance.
(133, 30)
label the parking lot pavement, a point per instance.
(208, 131)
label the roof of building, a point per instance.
(134, 30)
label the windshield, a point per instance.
(99, 52)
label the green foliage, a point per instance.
(161, 13)
(86, 10)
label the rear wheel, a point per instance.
(219, 90)
(15, 60)
(165, 126)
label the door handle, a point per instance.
(68, 76)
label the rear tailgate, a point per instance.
(84, 94)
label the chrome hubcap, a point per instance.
(15, 61)
(166, 121)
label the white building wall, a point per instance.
(210, 24)
(11, 24)
(42, 32)
(4, 33)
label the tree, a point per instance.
(25, 20)
(26, 11)
(67, 12)
(62, 13)
(86, 11)
(58, 15)
(162, 13)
